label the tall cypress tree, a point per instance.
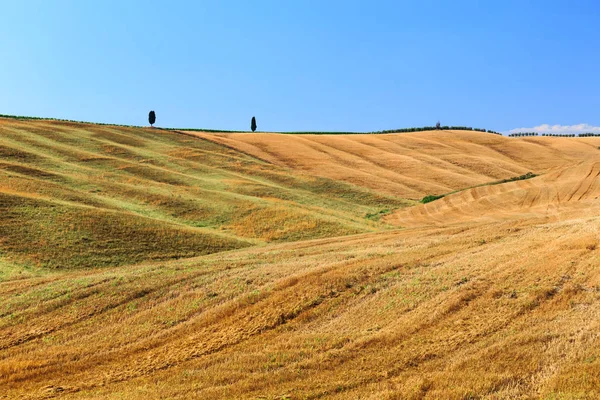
(253, 124)
(152, 118)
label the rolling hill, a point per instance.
(412, 165)
(77, 195)
(139, 263)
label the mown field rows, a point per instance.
(74, 195)
(413, 165)
(492, 310)
(142, 264)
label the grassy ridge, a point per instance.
(91, 195)
(63, 235)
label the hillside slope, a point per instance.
(84, 195)
(412, 165)
(496, 310)
(492, 292)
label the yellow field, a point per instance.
(561, 193)
(491, 292)
(412, 165)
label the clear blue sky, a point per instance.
(303, 65)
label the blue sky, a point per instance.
(304, 65)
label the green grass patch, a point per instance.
(376, 216)
(528, 175)
(54, 235)
(431, 197)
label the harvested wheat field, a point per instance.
(561, 193)
(146, 264)
(412, 165)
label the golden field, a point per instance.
(412, 165)
(140, 263)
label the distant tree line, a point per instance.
(560, 134)
(524, 134)
(401, 130)
(441, 127)
(589, 134)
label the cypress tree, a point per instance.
(253, 124)
(152, 118)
